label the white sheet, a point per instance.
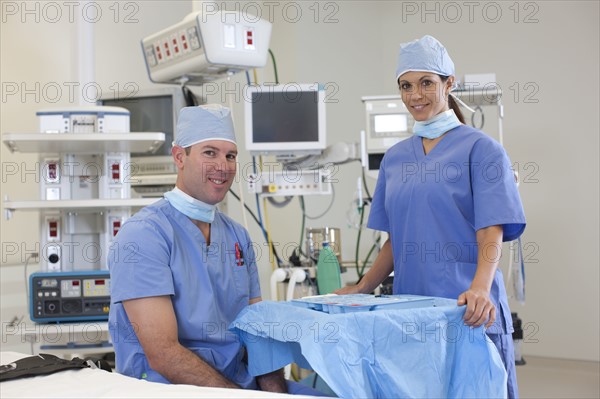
(88, 383)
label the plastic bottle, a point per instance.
(328, 271)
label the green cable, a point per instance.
(274, 66)
(362, 270)
(303, 223)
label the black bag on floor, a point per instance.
(44, 364)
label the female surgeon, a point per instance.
(448, 198)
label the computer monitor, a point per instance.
(388, 122)
(151, 110)
(285, 120)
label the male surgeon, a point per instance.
(181, 271)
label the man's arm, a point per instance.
(156, 328)
(272, 382)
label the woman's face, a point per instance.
(424, 94)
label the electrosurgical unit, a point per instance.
(68, 296)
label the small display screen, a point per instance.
(70, 288)
(375, 161)
(285, 117)
(49, 283)
(96, 287)
(149, 114)
(389, 123)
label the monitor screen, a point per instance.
(151, 111)
(285, 119)
(389, 123)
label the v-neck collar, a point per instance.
(194, 230)
(420, 150)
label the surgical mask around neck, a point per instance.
(436, 126)
(190, 206)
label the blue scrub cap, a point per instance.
(426, 54)
(204, 123)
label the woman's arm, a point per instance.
(382, 267)
(477, 298)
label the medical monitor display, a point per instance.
(285, 119)
(151, 111)
(390, 123)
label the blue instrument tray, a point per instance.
(333, 304)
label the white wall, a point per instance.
(31, 71)
(36, 72)
(549, 53)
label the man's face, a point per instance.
(208, 171)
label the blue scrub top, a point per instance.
(432, 205)
(159, 251)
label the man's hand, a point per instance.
(272, 382)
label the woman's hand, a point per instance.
(382, 267)
(351, 289)
(480, 308)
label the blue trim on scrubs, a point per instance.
(159, 251)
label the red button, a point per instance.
(53, 228)
(116, 227)
(115, 171)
